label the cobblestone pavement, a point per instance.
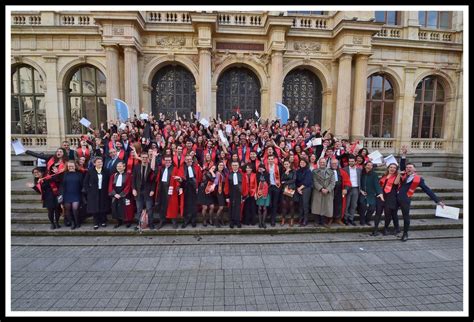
(418, 275)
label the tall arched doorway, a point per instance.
(173, 90)
(302, 94)
(238, 87)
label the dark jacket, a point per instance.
(369, 182)
(288, 180)
(150, 183)
(91, 189)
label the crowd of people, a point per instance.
(175, 169)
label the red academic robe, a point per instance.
(346, 182)
(245, 158)
(253, 185)
(175, 160)
(129, 209)
(175, 201)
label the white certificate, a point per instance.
(122, 126)
(390, 159)
(317, 141)
(144, 116)
(223, 138)
(204, 122)
(378, 161)
(18, 147)
(375, 155)
(447, 212)
(228, 128)
(85, 122)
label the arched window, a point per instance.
(380, 107)
(173, 90)
(27, 92)
(302, 95)
(85, 98)
(239, 88)
(429, 109)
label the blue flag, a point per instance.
(282, 113)
(122, 110)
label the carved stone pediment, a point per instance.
(306, 46)
(170, 42)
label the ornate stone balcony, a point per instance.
(26, 19)
(436, 35)
(427, 145)
(311, 22)
(32, 141)
(168, 17)
(390, 32)
(382, 144)
(76, 20)
(241, 19)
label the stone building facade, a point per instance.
(386, 78)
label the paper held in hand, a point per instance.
(390, 159)
(375, 155)
(228, 128)
(317, 141)
(18, 147)
(223, 138)
(447, 212)
(85, 122)
(122, 126)
(204, 122)
(144, 116)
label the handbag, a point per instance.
(289, 192)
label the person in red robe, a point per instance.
(190, 181)
(248, 193)
(168, 193)
(343, 183)
(120, 188)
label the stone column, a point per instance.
(405, 111)
(343, 100)
(131, 80)
(55, 116)
(359, 101)
(205, 100)
(276, 82)
(112, 80)
(458, 123)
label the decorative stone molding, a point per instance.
(171, 56)
(82, 59)
(195, 59)
(147, 87)
(51, 59)
(147, 59)
(218, 58)
(262, 60)
(118, 31)
(306, 46)
(170, 42)
(357, 40)
(18, 59)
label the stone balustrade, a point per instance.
(431, 35)
(381, 144)
(241, 19)
(74, 140)
(392, 32)
(26, 19)
(168, 17)
(427, 145)
(31, 140)
(308, 22)
(76, 20)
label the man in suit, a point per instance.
(408, 184)
(143, 188)
(342, 185)
(111, 161)
(353, 193)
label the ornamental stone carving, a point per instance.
(357, 40)
(219, 58)
(261, 59)
(306, 46)
(118, 31)
(171, 42)
(147, 59)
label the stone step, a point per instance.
(32, 198)
(86, 230)
(29, 207)
(41, 218)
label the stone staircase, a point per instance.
(28, 218)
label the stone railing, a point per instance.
(76, 20)
(31, 140)
(241, 19)
(390, 32)
(306, 22)
(74, 140)
(168, 17)
(381, 144)
(427, 145)
(26, 19)
(431, 35)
